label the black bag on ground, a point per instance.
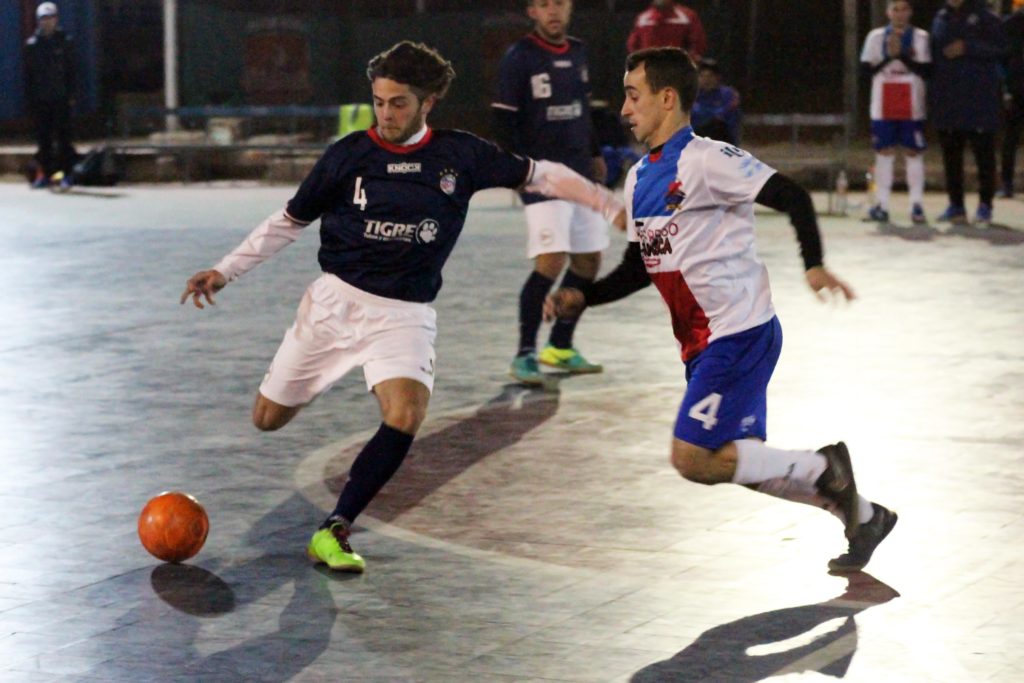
(100, 167)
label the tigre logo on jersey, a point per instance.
(675, 195)
(423, 232)
(448, 178)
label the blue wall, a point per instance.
(78, 18)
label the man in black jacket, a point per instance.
(49, 90)
(1013, 28)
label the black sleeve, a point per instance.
(869, 69)
(782, 194)
(506, 129)
(628, 277)
(30, 73)
(922, 69)
(69, 68)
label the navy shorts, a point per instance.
(727, 388)
(907, 134)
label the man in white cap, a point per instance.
(49, 92)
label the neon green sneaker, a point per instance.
(569, 360)
(524, 370)
(330, 546)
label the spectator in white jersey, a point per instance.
(898, 58)
(392, 201)
(543, 110)
(690, 221)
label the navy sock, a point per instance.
(561, 331)
(373, 467)
(531, 310)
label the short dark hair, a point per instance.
(667, 67)
(420, 67)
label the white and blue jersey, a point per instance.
(690, 205)
(547, 89)
(390, 215)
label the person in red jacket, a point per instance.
(668, 24)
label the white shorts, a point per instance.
(558, 226)
(339, 327)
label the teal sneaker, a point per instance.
(524, 370)
(330, 546)
(568, 360)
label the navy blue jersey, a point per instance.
(548, 89)
(390, 215)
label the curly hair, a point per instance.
(420, 67)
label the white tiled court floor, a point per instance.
(531, 536)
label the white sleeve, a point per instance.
(732, 175)
(627, 198)
(556, 180)
(275, 233)
(922, 46)
(872, 53)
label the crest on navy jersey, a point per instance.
(448, 178)
(426, 231)
(675, 195)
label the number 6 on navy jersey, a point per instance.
(706, 410)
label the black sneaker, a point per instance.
(863, 544)
(838, 484)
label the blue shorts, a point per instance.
(727, 388)
(908, 134)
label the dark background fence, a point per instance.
(783, 55)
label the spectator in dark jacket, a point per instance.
(1013, 28)
(49, 91)
(964, 99)
(716, 111)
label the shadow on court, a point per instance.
(442, 455)
(287, 633)
(723, 653)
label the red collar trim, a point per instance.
(399, 149)
(550, 47)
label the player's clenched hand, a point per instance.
(821, 280)
(565, 302)
(205, 283)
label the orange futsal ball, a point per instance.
(173, 526)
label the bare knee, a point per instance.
(405, 418)
(268, 416)
(702, 465)
(586, 265)
(549, 265)
(403, 403)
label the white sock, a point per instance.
(807, 494)
(756, 463)
(915, 178)
(883, 179)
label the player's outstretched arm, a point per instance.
(628, 277)
(782, 194)
(276, 232)
(556, 180)
(205, 283)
